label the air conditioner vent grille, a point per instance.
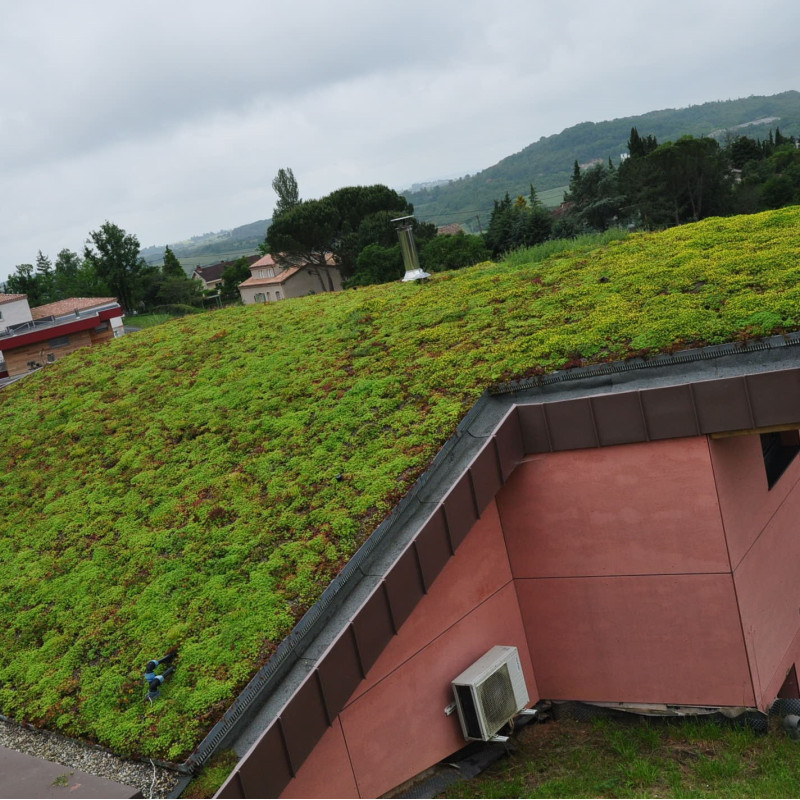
(496, 696)
(490, 692)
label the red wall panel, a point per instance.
(399, 728)
(327, 771)
(648, 508)
(478, 569)
(643, 639)
(399, 707)
(769, 596)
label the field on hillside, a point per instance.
(194, 486)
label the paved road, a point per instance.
(24, 776)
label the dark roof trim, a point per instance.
(690, 356)
(290, 704)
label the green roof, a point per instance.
(197, 485)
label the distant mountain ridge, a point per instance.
(210, 248)
(547, 164)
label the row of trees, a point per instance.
(657, 186)
(660, 185)
(111, 266)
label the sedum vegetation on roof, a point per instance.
(196, 485)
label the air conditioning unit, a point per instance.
(490, 693)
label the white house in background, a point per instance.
(270, 281)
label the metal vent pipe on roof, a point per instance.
(405, 233)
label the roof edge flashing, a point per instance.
(610, 369)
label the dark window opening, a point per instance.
(59, 341)
(779, 450)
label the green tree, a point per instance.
(639, 146)
(171, 267)
(313, 230)
(694, 177)
(66, 274)
(453, 252)
(594, 198)
(24, 280)
(778, 191)
(517, 224)
(284, 185)
(377, 264)
(742, 150)
(179, 290)
(45, 278)
(114, 255)
(234, 274)
(306, 233)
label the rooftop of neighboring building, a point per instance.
(214, 272)
(12, 298)
(70, 306)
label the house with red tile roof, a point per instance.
(72, 305)
(452, 229)
(32, 337)
(271, 280)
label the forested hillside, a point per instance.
(195, 486)
(548, 163)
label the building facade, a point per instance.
(52, 331)
(635, 543)
(270, 281)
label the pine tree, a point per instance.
(285, 186)
(44, 278)
(172, 267)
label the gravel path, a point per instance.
(151, 781)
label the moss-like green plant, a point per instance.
(197, 485)
(212, 776)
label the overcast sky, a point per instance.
(171, 118)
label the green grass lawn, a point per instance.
(147, 320)
(642, 758)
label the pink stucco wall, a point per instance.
(625, 510)
(660, 572)
(394, 725)
(762, 530)
(623, 575)
(637, 639)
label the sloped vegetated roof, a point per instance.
(197, 485)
